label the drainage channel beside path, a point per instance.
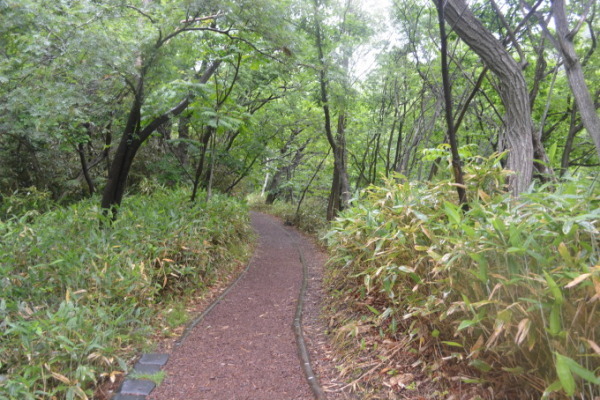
(245, 347)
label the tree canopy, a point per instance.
(236, 95)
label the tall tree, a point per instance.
(340, 187)
(563, 42)
(456, 167)
(518, 127)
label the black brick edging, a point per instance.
(138, 389)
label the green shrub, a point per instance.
(25, 203)
(511, 287)
(310, 218)
(76, 299)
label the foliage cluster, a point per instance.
(30, 201)
(509, 287)
(76, 299)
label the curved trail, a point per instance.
(245, 348)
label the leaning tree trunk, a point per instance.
(518, 128)
(574, 72)
(131, 141)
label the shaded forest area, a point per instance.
(455, 142)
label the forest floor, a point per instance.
(245, 348)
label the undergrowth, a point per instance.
(310, 218)
(76, 300)
(509, 289)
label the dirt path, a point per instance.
(245, 347)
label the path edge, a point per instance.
(312, 379)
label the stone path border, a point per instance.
(138, 389)
(313, 381)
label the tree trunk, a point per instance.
(574, 128)
(340, 193)
(183, 132)
(200, 166)
(333, 203)
(422, 127)
(456, 166)
(574, 72)
(85, 169)
(340, 187)
(518, 128)
(121, 163)
(274, 187)
(264, 186)
(312, 178)
(211, 171)
(132, 139)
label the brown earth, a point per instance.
(245, 347)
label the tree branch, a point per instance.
(200, 19)
(581, 21)
(141, 12)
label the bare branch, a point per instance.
(141, 12)
(593, 37)
(510, 34)
(581, 21)
(188, 29)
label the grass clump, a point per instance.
(157, 377)
(76, 299)
(509, 289)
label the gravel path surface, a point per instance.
(245, 347)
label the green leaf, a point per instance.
(498, 224)
(452, 212)
(552, 151)
(554, 387)
(515, 370)
(581, 371)
(554, 289)
(564, 253)
(468, 230)
(373, 310)
(477, 381)
(481, 365)
(564, 374)
(483, 266)
(453, 344)
(554, 320)
(567, 226)
(466, 323)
